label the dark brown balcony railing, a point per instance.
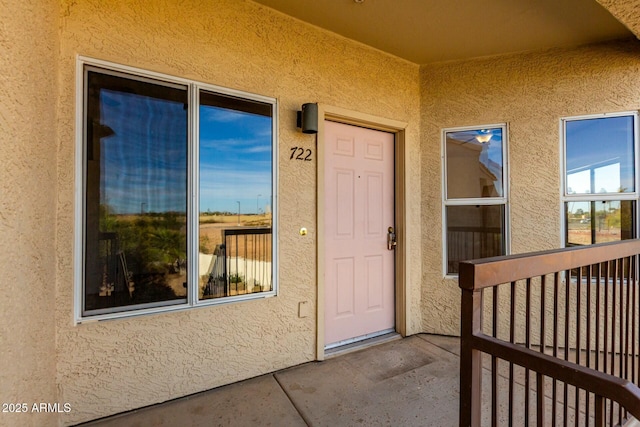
(555, 335)
(243, 263)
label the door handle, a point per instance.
(391, 239)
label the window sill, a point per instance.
(173, 308)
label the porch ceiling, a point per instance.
(426, 31)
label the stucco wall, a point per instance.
(28, 81)
(109, 367)
(113, 366)
(625, 11)
(530, 92)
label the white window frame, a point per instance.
(194, 89)
(565, 197)
(483, 201)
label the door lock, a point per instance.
(391, 239)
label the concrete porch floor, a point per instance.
(408, 382)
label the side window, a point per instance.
(148, 142)
(599, 178)
(235, 196)
(475, 194)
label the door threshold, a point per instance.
(349, 347)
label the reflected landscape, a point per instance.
(599, 222)
(136, 187)
(235, 237)
(594, 168)
(136, 234)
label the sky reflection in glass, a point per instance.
(600, 155)
(235, 161)
(144, 162)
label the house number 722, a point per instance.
(299, 153)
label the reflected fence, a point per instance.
(472, 243)
(241, 264)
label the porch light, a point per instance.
(484, 136)
(308, 118)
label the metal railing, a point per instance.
(555, 333)
(243, 263)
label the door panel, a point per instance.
(345, 292)
(359, 208)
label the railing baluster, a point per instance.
(554, 405)
(512, 339)
(540, 397)
(578, 338)
(527, 343)
(567, 313)
(246, 275)
(614, 270)
(598, 274)
(588, 314)
(540, 418)
(600, 411)
(494, 362)
(620, 313)
(606, 317)
(237, 250)
(634, 306)
(625, 337)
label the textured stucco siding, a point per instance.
(113, 366)
(530, 92)
(625, 11)
(28, 81)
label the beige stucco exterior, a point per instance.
(113, 366)
(625, 11)
(103, 368)
(530, 92)
(29, 46)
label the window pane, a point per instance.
(474, 163)
(600, 155)
(136, 193)
(599, 221)
(235, 235)
(474, 232)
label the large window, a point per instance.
(600, 181)
(178, 198)
(475, 194)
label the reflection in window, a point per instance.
(474, 163)
(235, 249)
(148, 245)
(600, 155)
(599, 221)
(136, 187)
(475, 194)
(474, 232)
(599, 162)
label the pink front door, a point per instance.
(359, 209)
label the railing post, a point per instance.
(470, 358)
(599, 420)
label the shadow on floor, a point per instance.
(408, 382)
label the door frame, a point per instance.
(398, 129)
